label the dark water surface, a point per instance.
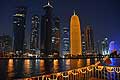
(21, 68)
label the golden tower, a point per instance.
(75, 36)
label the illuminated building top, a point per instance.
(48, 5)
(74, 12)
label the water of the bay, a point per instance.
(21, 68)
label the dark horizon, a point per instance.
(103, 15)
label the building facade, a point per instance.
(19, 25)
(46, 30)
(56, 36)
(75, 36)
(65, 41)
(89, 39)
(5, 43)
(83, 44)
(105, 46)
(34, 38)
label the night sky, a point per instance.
(104, 15)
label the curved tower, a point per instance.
(75, 36)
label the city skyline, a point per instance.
(103, 15)
(59, 40)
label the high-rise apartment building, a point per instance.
(19, 25)
(65, 41)
(105, 46)
(83, 44)
(34, 38)
(89, 39)
(56, 36)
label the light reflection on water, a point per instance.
(55, 65)
(27, 66)
(10, 67)
(18, 68)
(42, 68)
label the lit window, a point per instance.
(20, 15)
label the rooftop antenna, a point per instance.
(74, 13)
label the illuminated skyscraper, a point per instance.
(105, 46)
(83, 44)
(46, 30)
(56, 35)
(65, 46)
(113, 46)
(19, 24)
(75, 36)
(89, 39)
(34, 39)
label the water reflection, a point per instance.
(10, 68)
(10, 65)
(19, 68)
(96, 60)
(27, 66)
(80, 63)
(75, 63)
(55, 65)
(87, 62)
(42, 64)
(67, 64)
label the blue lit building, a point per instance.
(65, 41)
(105, 46)
(113, 46)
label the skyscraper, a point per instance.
(83, 44)
(56, 35)
(98, 47)
(46, 30)
(105, 46)
(75, 36)
(19, 24)
(89, 39)
(34, 39)
(65, 41)
(112, 46)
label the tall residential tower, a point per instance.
(19, 25)
(56, 36)
(34, 39)
(65, 41)
(89, 39)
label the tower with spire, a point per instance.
(46, 30)
(75, 36)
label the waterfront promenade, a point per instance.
(96, 71)
(91, 72)
(58, 69)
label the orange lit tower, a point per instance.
(75, 36)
